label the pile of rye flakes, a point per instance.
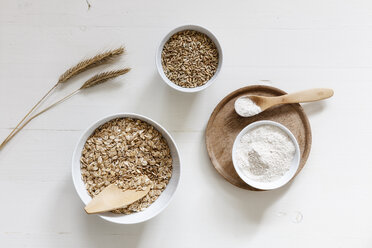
(189, 59)
(129, 153)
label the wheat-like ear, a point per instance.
(93, 81)
(86, 64)
(103, 77)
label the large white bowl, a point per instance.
(160, 49)
(165, 197)
(286, 177)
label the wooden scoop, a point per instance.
(112, 198)
(311, 95)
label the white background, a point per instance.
(292, 45)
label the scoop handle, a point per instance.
(307, 95)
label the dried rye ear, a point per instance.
(103, 77)
(93, 81)
(86, 64)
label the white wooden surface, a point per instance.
(292, 45)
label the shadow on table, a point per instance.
(313, 108)
(172, 108)
(99, 233)
(252, 205)
(69, 221)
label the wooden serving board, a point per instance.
(225, 124)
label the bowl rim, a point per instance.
(290, 173)
(77, 154)
(166, 38)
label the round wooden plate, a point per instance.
(225, 124)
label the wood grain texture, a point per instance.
(225, 124)
(310, 95)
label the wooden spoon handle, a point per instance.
(307, 96)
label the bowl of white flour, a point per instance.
(266, 155)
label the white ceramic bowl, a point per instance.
(160, 49)
(286, 177)
(165, 197)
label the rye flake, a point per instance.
(130, 153)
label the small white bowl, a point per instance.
(160, 49)
(155, 208)
(286, 177)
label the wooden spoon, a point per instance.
(264, 102)
(112, 198)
